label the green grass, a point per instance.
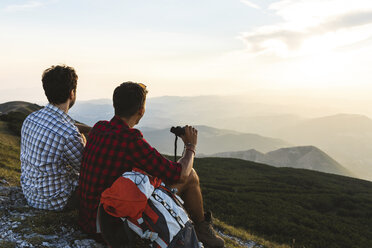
(283, 204)
(48, 222)
(7, 244)
(9, 155)
(243, 235)
(14, 121)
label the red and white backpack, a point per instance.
(150, 209)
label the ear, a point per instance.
(72, 94)
(141, 112)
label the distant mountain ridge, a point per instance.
(301, 157)
(346, 137)
(212, 140)
(225, 112)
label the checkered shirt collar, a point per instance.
(60, 112)
(119, 123)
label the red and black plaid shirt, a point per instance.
(112, 149)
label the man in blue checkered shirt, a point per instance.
(52, 145)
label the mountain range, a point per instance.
(212, 140)
(303, 157)
(347, 138)
(224, 112)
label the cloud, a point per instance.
(307, 23)
(348, 20)
(23, 7)
(250, 4)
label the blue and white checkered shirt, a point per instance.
(51, 151)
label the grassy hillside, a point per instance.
(278, 204)
(12, 115)
(9, 155)
(311, 209)
(283, 204)
(18, 106)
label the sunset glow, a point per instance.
(310, 47)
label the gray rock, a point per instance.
(5, 191)
(4, 182)
(85, 243)
(14, 211)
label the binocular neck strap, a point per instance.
(175, 148)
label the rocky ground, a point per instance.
(23, 226)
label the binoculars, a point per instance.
(178, 131)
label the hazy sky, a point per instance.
(189, 47)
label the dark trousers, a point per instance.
(73, 201)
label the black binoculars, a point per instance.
(178, 131)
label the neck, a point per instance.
(63, 106)
(132, 121)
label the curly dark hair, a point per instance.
(58, 81)
(128, 98)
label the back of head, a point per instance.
(58, 81)
(129, 98)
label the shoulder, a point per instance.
(35, 119)
(100, 127)
(35, 114)
(136, 133)
(56, 122)
(66, 127)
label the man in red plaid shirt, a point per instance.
(114, 147)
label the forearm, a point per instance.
(190, 139)
(187, 163)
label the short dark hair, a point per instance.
(58, 81)
(128, 98)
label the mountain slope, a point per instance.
(212, 140)
(12, 115)
(18, 106)
(284, 204)
(307, 157)
(9, 155)
(250, 155)
(302, 157)
(345, 137)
